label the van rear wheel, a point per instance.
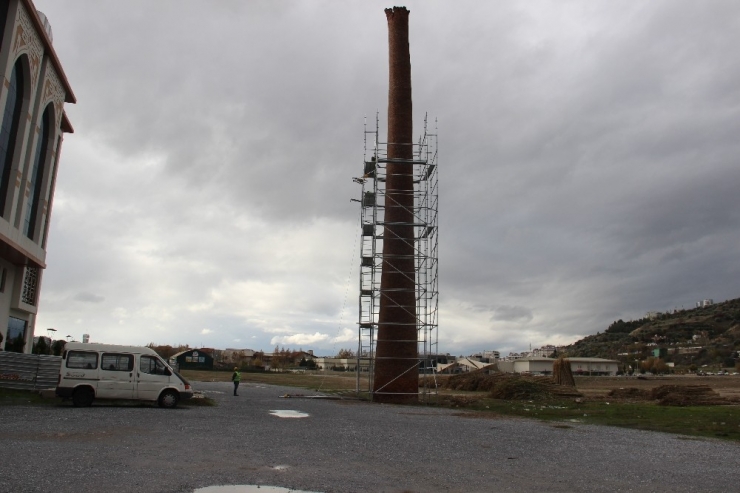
(169, 399)
(83, 397)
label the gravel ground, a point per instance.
(343, 446)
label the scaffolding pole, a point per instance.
(423, 167)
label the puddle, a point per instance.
(288, 413)
(248, 488)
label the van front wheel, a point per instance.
(168, 399)
(83, 397)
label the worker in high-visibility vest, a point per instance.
(236, 377)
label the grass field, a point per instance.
(596, 408)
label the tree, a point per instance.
(276, 358)
(258, 359)
(345, 354)
(659, 366)
(165, 351)
(41, 347)
(58, 347)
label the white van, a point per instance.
(105, 371)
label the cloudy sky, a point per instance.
(588, 166)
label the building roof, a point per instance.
(471, 363)
(592, 360)
(190, 351)
(576, 360)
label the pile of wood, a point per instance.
(687, 395)
(562, 373)
(474, 381)
(510, 386)
(631, 393)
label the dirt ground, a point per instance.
(595, 387)
(727, 386)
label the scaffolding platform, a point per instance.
(423, 168)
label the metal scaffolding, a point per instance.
(426, 200)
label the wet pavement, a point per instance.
(339, 446)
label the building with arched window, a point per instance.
(32, 124)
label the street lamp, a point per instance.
(69, 337)
(50, 334)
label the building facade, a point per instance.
(32, 98)
(192, 359)
(543, 366)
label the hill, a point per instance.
(702, 336)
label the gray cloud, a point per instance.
(588, 165)
(88, 298)
(512, 313)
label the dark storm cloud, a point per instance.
(588, 162)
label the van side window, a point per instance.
(82, 359)
(149, 364)
(117, 362)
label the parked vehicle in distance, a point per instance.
(107, 371)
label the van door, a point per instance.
(152, 376)
(116, 376)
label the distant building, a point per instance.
(703, 303)
(543, 366)
(235, 356)
(544, 351)
(192, 359)
(660, 352)
(341, 364)
(491, 356)
(462, 365)
(512, 357)
(32, 96)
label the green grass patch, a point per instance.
(14, 397)
(703, 421)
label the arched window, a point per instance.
(53, 177)
(9, 130)
(37, 174)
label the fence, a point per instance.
(28, 371)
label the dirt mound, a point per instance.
(474, 381)
(631, 393)
(687, 395)
(512, 387)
